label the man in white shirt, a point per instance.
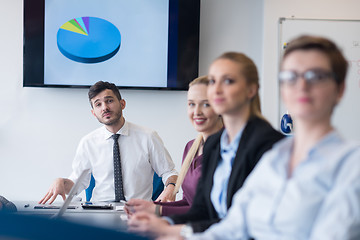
(141, 152)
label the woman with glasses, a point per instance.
(308, 186)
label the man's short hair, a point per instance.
(101, 86)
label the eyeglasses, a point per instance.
(313, 76)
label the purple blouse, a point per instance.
(189, 186)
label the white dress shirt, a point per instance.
(321, 200)
(142, 152)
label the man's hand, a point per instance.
(61, 186)
(168, 194)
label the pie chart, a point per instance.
(88, 39)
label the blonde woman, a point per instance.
(229, 155)
(206, 122)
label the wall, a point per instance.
(230, 25)
(40, 128)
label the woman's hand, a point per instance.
(150, 225)
(139, 205)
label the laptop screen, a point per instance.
(72, 193)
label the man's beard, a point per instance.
(112, 122)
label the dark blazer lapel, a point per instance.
(239, 162)
(213, 162)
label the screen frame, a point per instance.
(183, 37)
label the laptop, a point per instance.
(69, 198)
(72, 193)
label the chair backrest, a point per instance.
(89, 190)
(158, 187)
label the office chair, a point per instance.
(158, 187)
(89, 190)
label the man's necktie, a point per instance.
(119, 191)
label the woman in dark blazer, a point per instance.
(257, 138)
(229, 155)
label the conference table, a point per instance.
(114, 218)
(31, 223)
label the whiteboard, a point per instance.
(346, 34)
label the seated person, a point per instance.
(206, 122)
(122, 156)
(229, 155)
(6, 205)
(308, 186)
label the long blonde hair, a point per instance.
(187, 162)
(194, 147)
